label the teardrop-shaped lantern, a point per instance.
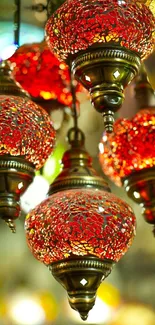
(81, 230)
(127, 156)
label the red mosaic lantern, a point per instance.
(80, 222)
(81, 230)
(80, 24)
(25, 130)
(127, 156)
(27, 139)
(105, 55)
(41, 74)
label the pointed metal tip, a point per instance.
(11, 225)
(84, 316)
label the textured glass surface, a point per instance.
(78, 24)
(83, 222)
(40, 73)
(150, 4)
(131, 147)
(25, 130)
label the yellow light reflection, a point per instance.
(134, 314)
(109, 294)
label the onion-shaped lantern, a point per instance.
(26, 140)
(104, 41)
(42, 75)
(81, 230)
(127, 156)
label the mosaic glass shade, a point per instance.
(25, 130)
(80, 222)
(130, 147)
(41, 74)
(79, 24)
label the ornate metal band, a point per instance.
(16, 163)
(108, 54)
(81, 264)
(78, 182)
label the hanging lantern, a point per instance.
(26, 140)
(82, 229)
(42, 75)
(104, 42)
(127, 156)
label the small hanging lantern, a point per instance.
(104, 41)
(82, 229)
(26, 140)
(127, 156)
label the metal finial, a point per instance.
(108, 118)
(11, 225)
(84, 316)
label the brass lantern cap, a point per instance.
(77, 168)
(8, 85)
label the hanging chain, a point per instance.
(17, 22)
(75, 135)
(74, 102)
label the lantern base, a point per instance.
(140, 187)
(15, 176)
(105, 71)
(81, 277)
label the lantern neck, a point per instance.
(144, 93)
(77, 154)
(8, 85)
(77, 167)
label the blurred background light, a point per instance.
(28, 33)
(109, 294)
(134, 314)
(35, 193)
(53, 165)
(26, 307)
(26, 310)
